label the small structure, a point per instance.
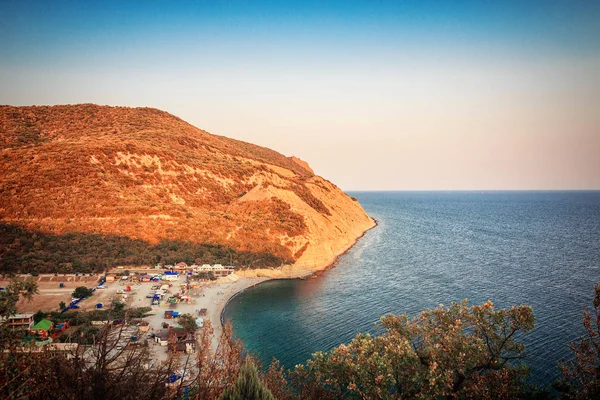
(62, 326)
(144, 326)
(170, 276)
(110, 278)
(58, 329)
(19, 322)
(43, 327)
(181, 266)
(68, 350)
(181, 341)
(218, 270)
(162, 337)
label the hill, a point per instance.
(85, 186)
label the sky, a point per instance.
(374, 95)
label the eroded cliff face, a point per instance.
(326, 236)
(146, 175)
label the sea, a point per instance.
(429, 248)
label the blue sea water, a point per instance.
(536, 248)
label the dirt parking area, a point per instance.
(51, 294)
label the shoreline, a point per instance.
(318, 272)
(262, 279)
(218, 296)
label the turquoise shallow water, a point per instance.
(535, 248)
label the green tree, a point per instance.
(82, 291)
(247, 386)
(16, 289)
(118, 310)
(459, 351)
(188, 323)
(581, 377)
(62, 305)
(39, 315)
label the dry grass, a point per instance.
(144, 174)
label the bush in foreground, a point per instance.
(247, 386)
(459, 351)
(581, 377)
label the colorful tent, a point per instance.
(43, 325)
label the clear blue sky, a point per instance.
(373, 94)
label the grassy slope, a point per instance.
(144, 175)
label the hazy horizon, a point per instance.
(374, 96)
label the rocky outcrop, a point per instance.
(303, 164)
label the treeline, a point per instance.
(24, 251)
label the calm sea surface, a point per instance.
(535, 248)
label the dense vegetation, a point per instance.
(25, 251)
(81, 292)
(460, 351)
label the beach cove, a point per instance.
(431, 248)
(217, 296)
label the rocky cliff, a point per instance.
(125, 185)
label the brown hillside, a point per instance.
(146, 175)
